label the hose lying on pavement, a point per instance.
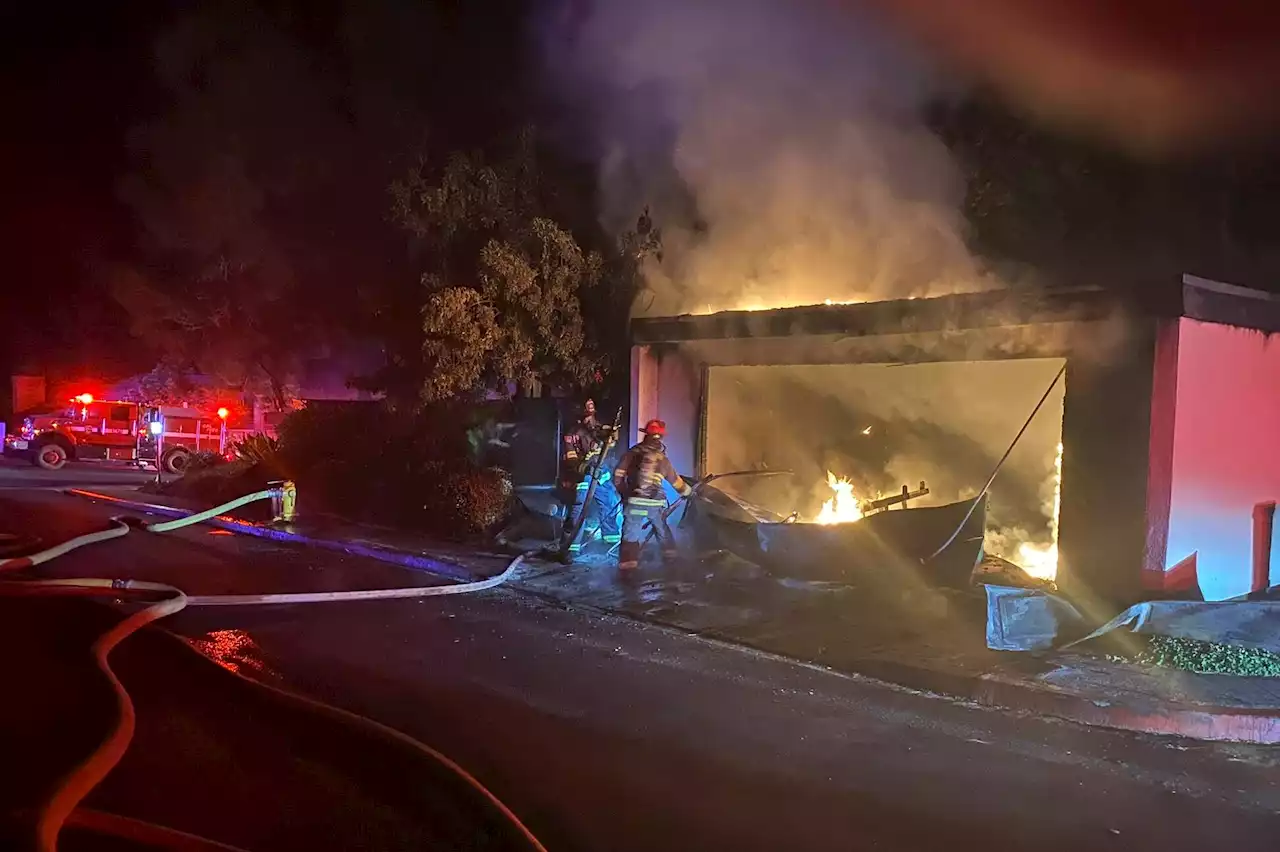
(85, 777)
(117, 529)
(207, 514)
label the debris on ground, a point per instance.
(1192, 655)
(997, 571)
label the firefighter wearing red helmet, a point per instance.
(638, 478)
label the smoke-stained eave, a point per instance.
(1229, 304)
(1197, 298)
(960, 311)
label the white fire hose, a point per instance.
(58, 810)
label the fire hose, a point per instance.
(1004, 458)
(61, 807)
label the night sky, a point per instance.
(74, 81)
(77, 81)
(80, 83)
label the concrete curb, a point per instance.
(404, 559)
(1194, 721)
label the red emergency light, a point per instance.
(222, 413)
(84, 399)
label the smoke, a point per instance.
(781, 146)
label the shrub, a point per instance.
(365, 462)
(475, 500)
(259, 449)
(223, 482)
(203, 460)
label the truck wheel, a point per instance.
(175, 460)
(51, 456)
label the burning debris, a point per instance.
(866, 429)
(844, 507)
(849, 541)
(1041, 561)
(752, 307)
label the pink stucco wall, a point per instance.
(1226, 451)
(666, 386)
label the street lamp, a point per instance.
(156, 427)
(222, 434)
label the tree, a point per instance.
(1074, 211)
(218, 324)
(260, 197)
(502, 295)
(169, 384)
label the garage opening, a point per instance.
(865, 438)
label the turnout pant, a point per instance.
(636, 512)
(604, 500)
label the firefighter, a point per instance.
(638, 478)
(583, 445)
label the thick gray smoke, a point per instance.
(780, 144)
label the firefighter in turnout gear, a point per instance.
(580, 455)
(639, 478)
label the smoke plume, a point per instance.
(780, 145)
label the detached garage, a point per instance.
(1151, 440)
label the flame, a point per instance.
(773, 306)
(1039, 560)
(843, 507)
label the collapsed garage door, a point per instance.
(854, 433)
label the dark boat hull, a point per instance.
(878, 547)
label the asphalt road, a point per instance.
(19, 473)
(609, 734)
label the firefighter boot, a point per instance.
(628, 555)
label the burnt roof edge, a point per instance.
(1230, 304)
(984, 309)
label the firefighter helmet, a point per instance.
(655, 427)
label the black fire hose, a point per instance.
(999, 464)
(573, 526)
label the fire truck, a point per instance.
(113, 430)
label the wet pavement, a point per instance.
(607, 733)
(889, 626)
(211, 755)
(19, 473)
(913, 634)
(922, 637)
(361, 540)
(201, 560)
